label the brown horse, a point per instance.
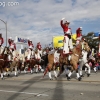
(75, 56)
(16, 64)
(4, 60)
(52, 64)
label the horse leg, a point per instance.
(85, 69)
(25, 70)
(89, 69)
(75, 67)
(61, 70)
(5, 73)
(45, 72)
(80, 68)
(50, 77)
(67, 70)
(39, 68)
(16, 71)
(48, 68)
(54, 70)
(31, 70)
(55, 73)
(77, 74)
(2, 77)
(95, 69)
(36, 68)
(69, 75)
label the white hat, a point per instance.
(10, 37)
(67, 21)
(81, 27)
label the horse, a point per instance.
(4, 60)
(52, 63)
(84, 61)
(75, 56)
(15, 62)
(35, 62)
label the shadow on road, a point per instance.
(30, 83)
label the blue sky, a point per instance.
(39, 20)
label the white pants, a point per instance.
(67, 44)
(78, 40)
(1, 49)
(40, 52)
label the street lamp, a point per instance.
(6, 29)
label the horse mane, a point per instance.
(77, 48)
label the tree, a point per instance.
(93, 43)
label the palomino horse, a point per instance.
(4, 60)
(15, 62)
(75, 56)
(52, 62)
(84, 61)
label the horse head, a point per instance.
(86, 46)
(5, 53)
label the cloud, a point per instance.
(40, 19)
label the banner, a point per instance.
(96, 34)
(74, 36)
(58, 40)
(21, 40)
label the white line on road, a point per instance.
(36, 94)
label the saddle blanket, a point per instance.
(56, 57)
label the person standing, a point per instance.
(67, 36)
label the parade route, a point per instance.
(34, 87)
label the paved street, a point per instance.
(34, 87)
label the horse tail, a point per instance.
(45, 72)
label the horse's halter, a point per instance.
(7, 51)
(87, 48)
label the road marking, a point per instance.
(36, 94)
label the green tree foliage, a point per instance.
(93, 43)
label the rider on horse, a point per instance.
(39, 48)
(31, 46)
(1, 42)
(12, 45)
(67, 36)
(78, 35)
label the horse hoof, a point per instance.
(68, 78)
(79, 79)
(81, 75)
(95, 71)
(55, 78)
(66, 75)
(2, 78)
(8, 75)
(16, 75)
(88, 75)
(51, 78)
